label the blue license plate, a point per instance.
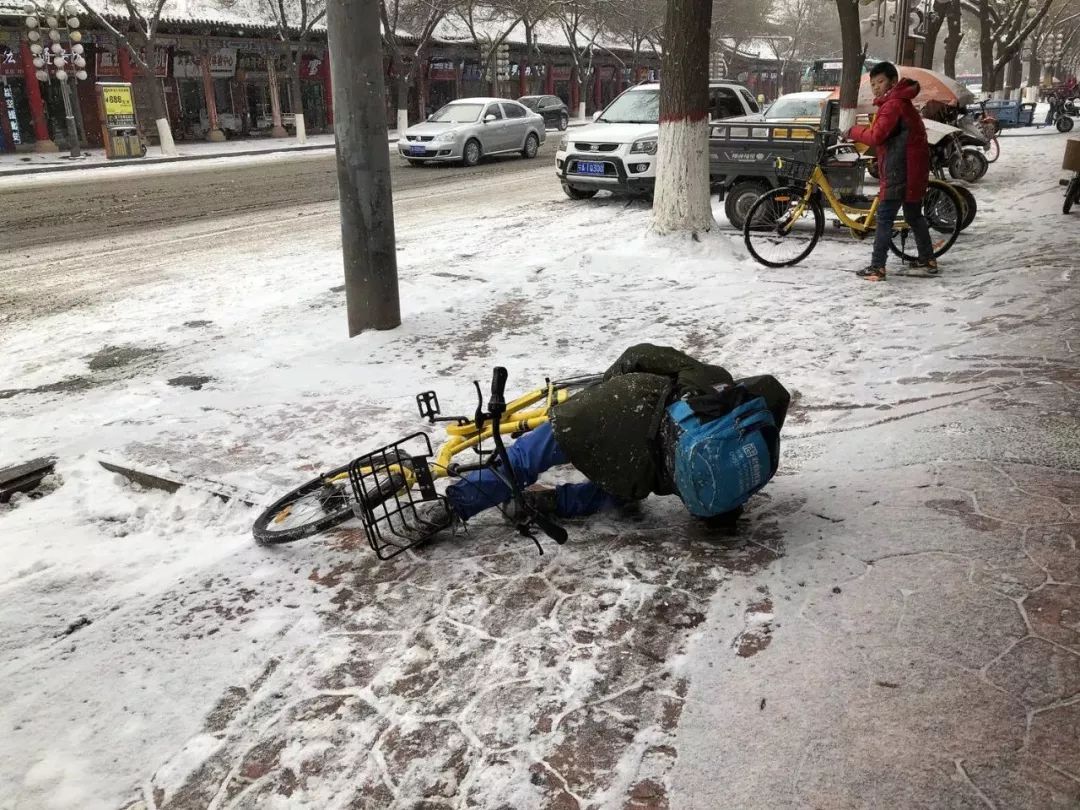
(417, 150)
(590, 167)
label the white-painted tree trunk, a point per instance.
(402, 121)
(847, 119)
(165, 138)
(581, 110)
(301, 130)
(681, 195)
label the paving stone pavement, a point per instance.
(895, 632)
(450, 679)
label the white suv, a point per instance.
(617, 152)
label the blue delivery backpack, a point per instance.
(721, 462)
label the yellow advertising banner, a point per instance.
(118, 100)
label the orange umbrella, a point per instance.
(933, 86)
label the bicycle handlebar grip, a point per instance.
(498, 389)
(550, 528)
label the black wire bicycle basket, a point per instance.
(794, 172)
(388, 485)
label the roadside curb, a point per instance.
(155, 160)
(71, 167)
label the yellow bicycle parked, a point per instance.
(784, 225)
(383, 488)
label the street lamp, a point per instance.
(58, 22)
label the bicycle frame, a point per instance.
(520, 417)
(819, 181)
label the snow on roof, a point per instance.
(249, 14)
(453, 28)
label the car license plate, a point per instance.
(590, 167)
(417, 150)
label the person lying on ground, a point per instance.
(660, 422)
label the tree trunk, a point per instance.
(930, 46)
(1034, 68)
(851, 37)
(681, 197)
(363, 166)
(402, 102)
(953, 38)
(298, 98)
(160, 112)
(986, 48)
(1014, 73)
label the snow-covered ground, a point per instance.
(151, 651)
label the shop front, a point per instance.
(16, 129)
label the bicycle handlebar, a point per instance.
(497, 401)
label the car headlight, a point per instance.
(645, 146)
(564, 143)
(443, 137)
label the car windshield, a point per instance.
(532, 102)
(787, 108)
(634, 107)
(458, 113)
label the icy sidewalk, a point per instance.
(895, 625)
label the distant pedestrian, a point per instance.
(903, 159)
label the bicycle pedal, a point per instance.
(428, 403)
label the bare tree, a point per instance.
(408, 27)
(1004, 27)
(681, 198)
(138, 34)
(488, 26)
(580, 24)
(531, 13)
(299, 17)
(639, 26)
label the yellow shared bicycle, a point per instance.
(383, 488)
(784, 225)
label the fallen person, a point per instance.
(660, 423)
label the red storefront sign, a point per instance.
(107, 66)
(313, 67)
(9, 62)
(441, 70)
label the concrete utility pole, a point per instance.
(363, 160)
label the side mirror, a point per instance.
(490, 117)
(596, 114)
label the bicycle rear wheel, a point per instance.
(944, 212)
(971, 207)
(314, 507)
(776, 231)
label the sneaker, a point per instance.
(928, 266)
(871, 273)
(431, 518)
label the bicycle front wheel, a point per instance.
(944, 212)
(781, 229)
(993, 151)
(314, 507)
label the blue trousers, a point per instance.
(530, 455)
(913, 215)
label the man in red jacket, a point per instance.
(903, 158)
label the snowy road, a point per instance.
(123, 202)
(152, 657)
(127, 234)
